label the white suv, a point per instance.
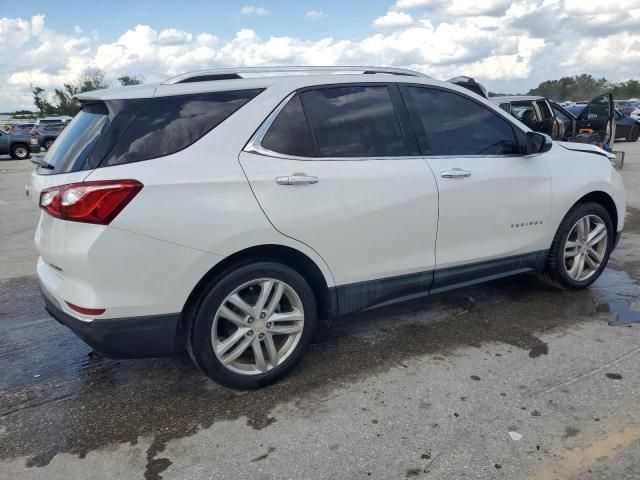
(226, 211)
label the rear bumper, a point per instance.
(133, 337)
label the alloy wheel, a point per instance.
(585, 248)
(257, 326)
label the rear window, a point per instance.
(76, 142)
(167, 125)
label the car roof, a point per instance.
(295, 78)
(516, 98)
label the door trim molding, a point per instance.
(370, 294)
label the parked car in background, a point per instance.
(47, 133)
(635, 114)
(22, 127)
(626, 127)
(594, 123)
(323, 198)
(535, 112)
(625, 106)
(55, 119)
(470, 84)
(19, 146)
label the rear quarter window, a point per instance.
(166, 125)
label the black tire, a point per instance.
(634, 134)
(47, 143)
(198, 337)
(555, 272)
(20, 151)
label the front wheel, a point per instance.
(634, 134)
(581, 247)
(250, 328)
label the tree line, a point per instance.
(584, 87)
(62, 102)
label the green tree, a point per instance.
(90, 79)
(127, 80)
(41, 103)
(579, 87)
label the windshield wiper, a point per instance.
(42, 163)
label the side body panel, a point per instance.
(501, 209)
(368, 219)
(575, 174)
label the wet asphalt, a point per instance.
(511, 379)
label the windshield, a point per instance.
(75, 143)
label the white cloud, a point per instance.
(510, 49)
(77, 29)
(393, 20)
(315, 15)
(249, 10)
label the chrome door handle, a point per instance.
(297, 179)
(455, 173)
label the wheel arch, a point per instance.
(603, 199)
(305, 266)
(19, 144)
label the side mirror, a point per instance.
(538, 143)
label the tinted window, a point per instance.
(169, 124)
(289, 133)
(354, 121)
(451, 124)
(76, 142)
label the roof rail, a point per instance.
(235, 73)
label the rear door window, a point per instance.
(354, 121)
(289, 133)
(449, 123)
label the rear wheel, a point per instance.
(20, 152)
(250, 328)
(48, 142)
(634, 134)
(581, 247)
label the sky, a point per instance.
(510, 46)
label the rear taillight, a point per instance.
(34, 134)
(89, 202)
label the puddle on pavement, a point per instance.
(620, 296)
(82, 403)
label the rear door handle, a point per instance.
(297, 179)
(455, 173)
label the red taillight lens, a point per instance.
(86, 311)
(89, 202)
(34, 134)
